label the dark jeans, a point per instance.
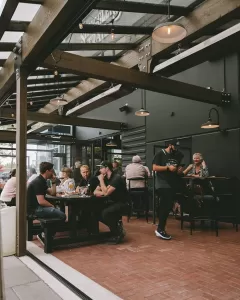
(110, 216)
(165, 205)
(49, 212)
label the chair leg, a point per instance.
(30, 230)
(48, 240)
(191, 226)
(216, 227)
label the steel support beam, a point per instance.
(146, 8)
(110, 72)
(95, 46)
(118, 29)
(214, 47)
(21, 175)
(53, 79)
(5, 46)
(56, 119)
(18, 26)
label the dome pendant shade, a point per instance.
(210, 124)
(142, 113)
(59, 101)
(169, 33)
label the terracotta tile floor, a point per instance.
(195, 267)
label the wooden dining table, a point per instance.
(90, 205)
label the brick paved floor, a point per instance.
(195, 267)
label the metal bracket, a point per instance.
(226, 98)
(145, 57)
(17, 50)
(123, 126)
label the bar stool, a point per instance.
(139, 197)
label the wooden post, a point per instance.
(21, 140)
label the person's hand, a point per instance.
(204, 164)
(53, 179)
(172, 168)
(195, 175)
(77, 189)
(100, 177)
(180, 170)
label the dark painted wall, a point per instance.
(188, 116)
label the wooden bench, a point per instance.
(50, 227)
(32, 229)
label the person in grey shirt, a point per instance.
(166, 164)
(136, 169)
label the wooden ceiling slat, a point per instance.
(140, 7)
(7, 13)
(53, 79)
(94, 46)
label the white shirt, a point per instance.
(33, 176)
(66, 186)
(9, 190)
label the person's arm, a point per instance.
(205, 172)
(157, 164)
(43, 202)
(52, 191)
(98, 192)
(187, 170)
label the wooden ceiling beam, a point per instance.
(94, 46)
(56, 119)
(18, 26)
(110, 72)
(6, 15)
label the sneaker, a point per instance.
(122, 231)
(163, 235)
(114, 240)
(40, 238)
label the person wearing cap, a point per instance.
(166, 164)
(136, 169)
(116, 168)
(112, 185)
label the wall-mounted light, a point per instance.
(111, 143)
(210, 123)
(142, 112)
(169, 32)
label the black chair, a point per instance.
(199, 207)
(138, 197)
(226, 190)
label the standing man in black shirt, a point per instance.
(112, 185)
(166, 164)
(36, 191)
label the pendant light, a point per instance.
(59, 101)
(210, 124)
(169, 32)
(142, 112)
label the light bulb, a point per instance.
(12, 115)
(81, 25)
(112, 35)
(31, 103)
(169, 30)
(55, 72)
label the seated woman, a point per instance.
(87, 183)
(198, 168)
(67, 184)
(9, 190)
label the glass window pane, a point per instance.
(4, 55)
(25, 12)
(11, 37)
